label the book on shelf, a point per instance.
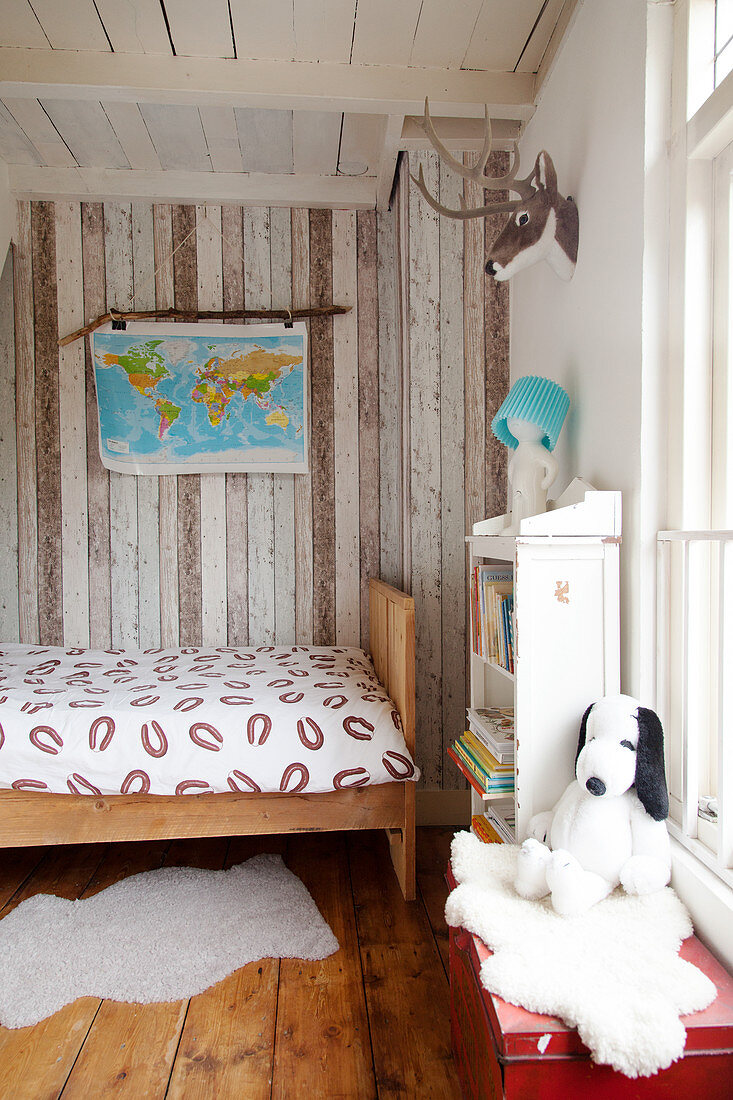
(469, 775)
(465, 772)
(500, 817)
(494, 726)
(490, 781)
(484, 577)
(506, 659)
(499, 599)
(485, 831)
(487, 784)
(492, 590)
(482, 782)
(482, 757)
(510, 633)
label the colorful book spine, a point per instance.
(484, 830)
(491, 781)
(484, 757)
(480, 779)
(507, 659)
(489, 587)
(465, 772)
(493, 652)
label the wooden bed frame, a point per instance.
(28, 818)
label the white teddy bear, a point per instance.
(609, 825)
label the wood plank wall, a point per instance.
(402, 390)
(455, 325)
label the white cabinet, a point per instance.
(566, 638)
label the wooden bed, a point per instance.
(28, 818)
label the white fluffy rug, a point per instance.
(159, 936)
(613, 973)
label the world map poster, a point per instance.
(181, 399)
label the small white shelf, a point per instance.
(566, 638)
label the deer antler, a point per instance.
(476, 174)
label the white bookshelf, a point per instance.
(566, 639)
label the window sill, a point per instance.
(709, 900)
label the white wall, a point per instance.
(587, 334)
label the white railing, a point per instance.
(695, 688)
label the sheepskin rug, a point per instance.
(161, 935)
(613, 973)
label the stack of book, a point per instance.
(482, 770)
(495, 826)
(484, 830)
(494, 727)
(492, 604)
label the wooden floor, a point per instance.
(371, 1021)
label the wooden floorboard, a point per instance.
(322, 1043)
(406, 987)
(433, 854)
(227, 1043)
(371, 1021)
(129, 1049)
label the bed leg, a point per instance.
(402, 847)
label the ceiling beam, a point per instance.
(558, 36)
(238, 188)
(289, 85)
(459, 134)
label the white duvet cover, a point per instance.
(183, 721)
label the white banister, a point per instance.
(690, 785)
(695, 700)
(725, 710)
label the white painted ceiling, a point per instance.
(291, 102)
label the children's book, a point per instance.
(498, 781)
(487, 583)
(483, 757)
(484, 830)
(481, 786)
(495, 727)
(500, 817)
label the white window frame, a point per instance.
(701, 159)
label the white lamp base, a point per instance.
(532, 469)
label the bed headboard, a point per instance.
(392, 646)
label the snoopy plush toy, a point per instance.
(609, 825)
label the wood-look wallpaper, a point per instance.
(402, 390)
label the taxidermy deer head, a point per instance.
(543, 225)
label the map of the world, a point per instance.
(201, 398)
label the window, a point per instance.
(709, 42)
(723, 40)
(695, 558)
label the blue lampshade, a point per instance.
(537, 400)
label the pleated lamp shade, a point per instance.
(537, 400)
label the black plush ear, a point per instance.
(581, 735)
(651, 785)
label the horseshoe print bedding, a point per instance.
(186, 721)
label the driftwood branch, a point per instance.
(204, 315)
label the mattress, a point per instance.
(186, 721)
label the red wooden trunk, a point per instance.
(495, 1044)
